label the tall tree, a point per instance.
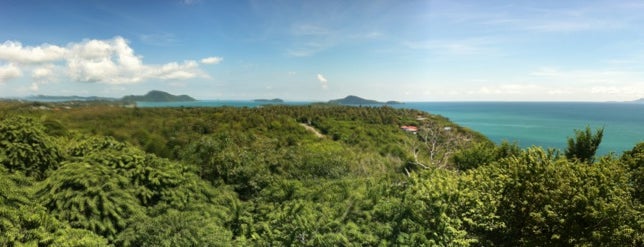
(584, 145)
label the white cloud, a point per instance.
(559, 92)
(305, 49)
(506, 89)
(604, 76)
(323, 82)
(458, 47)
(177, 75)
(594, 85)
(212, 60)
(34, 87)
(632, 91)
(13, 51)
(176, 71)
(43, 74)
(9, 72)
(110, 61)
(571, 26)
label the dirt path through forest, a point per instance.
(314, 130)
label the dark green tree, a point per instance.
(17, 226)
(484, 153)
(24, 146)
(556, 202)
(428, 213)
(25, 223)
(177, 228)
(90, 196)
(584, 145)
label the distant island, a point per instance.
(41, 97)
(355, 100)
(158, 96)
(639, 100)
(276, 100)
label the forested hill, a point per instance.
(276, 100)
(157, 96)
(354, 100)
(316, 175)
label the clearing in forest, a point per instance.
(312, 129)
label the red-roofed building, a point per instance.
(412, 129)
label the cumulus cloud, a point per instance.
(212, 60)
(9, 72)
(176, 71)
(110, 61)
(44, 73)
(323, 82)
(14, 51)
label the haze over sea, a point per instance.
(546, 124)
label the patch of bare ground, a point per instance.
(312, 129)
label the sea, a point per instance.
(546, 124)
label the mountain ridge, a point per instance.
(158, 96)
(355, 100)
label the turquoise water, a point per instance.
(546, 124)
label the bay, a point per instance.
(546, 124)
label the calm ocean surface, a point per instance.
(546, 124)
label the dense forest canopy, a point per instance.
(314, 175)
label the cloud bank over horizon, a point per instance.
(110, 61)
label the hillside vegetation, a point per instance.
(100, 175)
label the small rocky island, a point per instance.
(157, 96)
(274, 101)
(355, 100)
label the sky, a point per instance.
(304, 50)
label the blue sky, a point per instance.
(320, 50)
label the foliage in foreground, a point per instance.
(247, 187)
